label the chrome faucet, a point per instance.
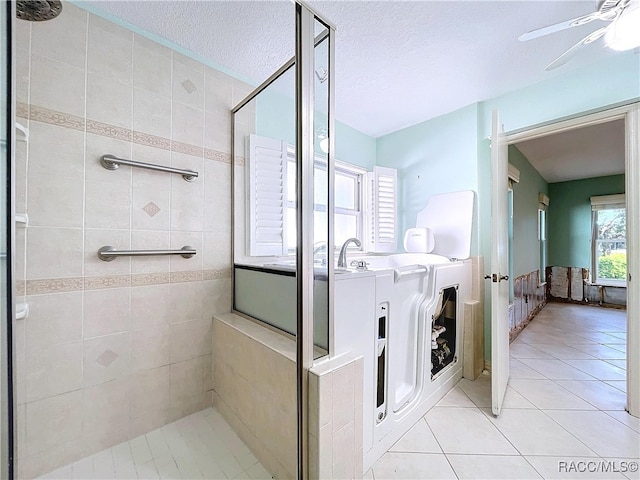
(342, 258)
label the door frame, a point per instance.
(631, 115)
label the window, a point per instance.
(364, 201)
(543, 203)
(348, 217)
(609, 240)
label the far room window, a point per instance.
(543, 203)
(609, 250)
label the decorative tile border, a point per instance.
(216, 155)
(111, 131)
(22, 110)
(54, 285)
(53, 117)
(187, 149)
(107, 281)
(77, 284)
(149, 140)
(66, 120)
(143, 279)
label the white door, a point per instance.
(499, 267)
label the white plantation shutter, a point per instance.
(382, 191)
(267, 216)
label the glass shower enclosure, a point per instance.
(283, 204)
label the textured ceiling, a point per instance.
(587, 152)
(397, 62)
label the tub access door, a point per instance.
(499, 267)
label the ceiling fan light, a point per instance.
(624, 34)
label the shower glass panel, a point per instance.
(265, 207)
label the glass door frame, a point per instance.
(303, 61)
(7, 398)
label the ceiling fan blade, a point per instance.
(566, 56)
(540, 32)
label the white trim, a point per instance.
(513, 174)
(632, 176)
(631, 115)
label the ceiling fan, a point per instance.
(622, 33)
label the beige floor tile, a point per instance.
(570, 468)
(492, 467)
(557, 369)
(625, 418)
(456, 398)
(600, 351)
(479, 390)
(599, 394)
(395, 465)
(419, 439)
(617, 363)
(619, 384)
(598, 369)
(548, 394)
(526, 350)
(517, 369)
(467, 430)
(600, 432)
(532, 432)
(561, 351)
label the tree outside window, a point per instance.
(611, 245)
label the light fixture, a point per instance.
(624, 34)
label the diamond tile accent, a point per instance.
(151, 209)
(189, 86)
(107, 358)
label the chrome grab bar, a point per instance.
(108, 253)
(111, 162)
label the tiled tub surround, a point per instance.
(112, 350)
(255, 391)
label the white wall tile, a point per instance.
(150, 306)
(152, 67)
(53, 369)
(54, 252)
(150, 392)
(57, 86)
(106, 311)
(106, 358)
(151, 113)
(94, 240)
(56, 174)
(150, 348)
(64, 40)
(154, 240)
(109, 101)
(53, 421)
(110, 50)
(187, 124)
(188, 85)
(190, 339)
(108, 204)
(103, 406)
(54, 318)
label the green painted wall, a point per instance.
(569, 218)
(526, 254)
(432, 157)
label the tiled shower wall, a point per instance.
(111, 350)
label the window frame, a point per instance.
(601, 203)
(340, 168)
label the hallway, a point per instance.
(563, 410)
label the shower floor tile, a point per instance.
(200, 446)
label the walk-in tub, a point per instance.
(404, 315)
